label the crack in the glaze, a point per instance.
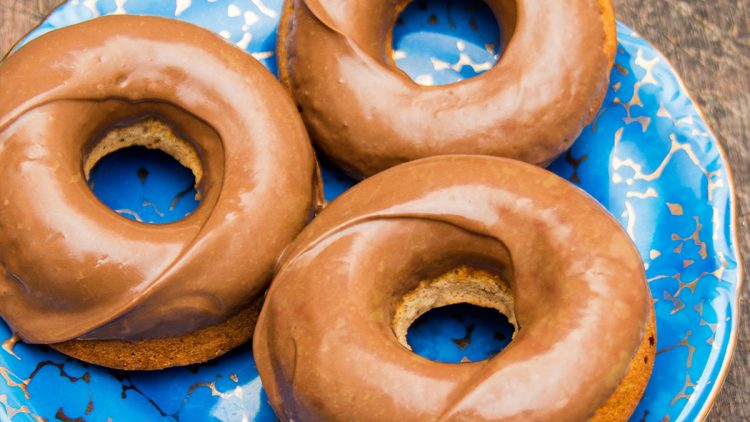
(6, 373)
(649, 193)
(713, 177)
(90, 406)
(599, 114)
(717, 273)
(9, 344)
(645, 415)
(683, 394)
(122, 377)
(210, 385)
(11, 411)
(131, 213)
(61, 416)
(620, 68)
(142, 174)
(648, 66)
(677, 304)
(465, 60)
(154, 207)
(179, 196)
(449, 14)
(181, 6)
(694, 237)
(576, 164)
(675, 209)
(713, 327)
(271, 13)
(464, 342)
(699, 308)
(473, 24)
(263, 55)
(635, 101)
(91, 5)
(685, 342)
(86, 377)
(23, 385)
(126, 384)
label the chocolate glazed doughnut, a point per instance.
(367, 115)
(74, 269)
(330, 340)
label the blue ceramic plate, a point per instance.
(648, 157)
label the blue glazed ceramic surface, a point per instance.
(648, 157)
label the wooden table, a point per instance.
(709, 42)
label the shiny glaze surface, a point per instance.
(576, 277)
(367, 115)
(73, 268)
(648, 122)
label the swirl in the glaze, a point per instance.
(71, 267)
(325, 344)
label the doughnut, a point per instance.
(115, 292)
(366, 115)
(330, 343)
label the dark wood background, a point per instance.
(709, 43)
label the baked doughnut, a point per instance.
(113, 291)
(367, 115)
(330, 340)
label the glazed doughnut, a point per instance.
(367, 115)
(330, 341)
(118, 292)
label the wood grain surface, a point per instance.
(709, 43)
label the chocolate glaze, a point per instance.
(367, 115)
(324, 344)
(72, 268)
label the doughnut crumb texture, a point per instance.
(461, 285)
(481, 230)
(152, 134)
(122, 293)
(161, 353)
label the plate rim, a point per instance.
(739, 284)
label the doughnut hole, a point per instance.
(145, 172)
(440, 42)
(464, 315)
